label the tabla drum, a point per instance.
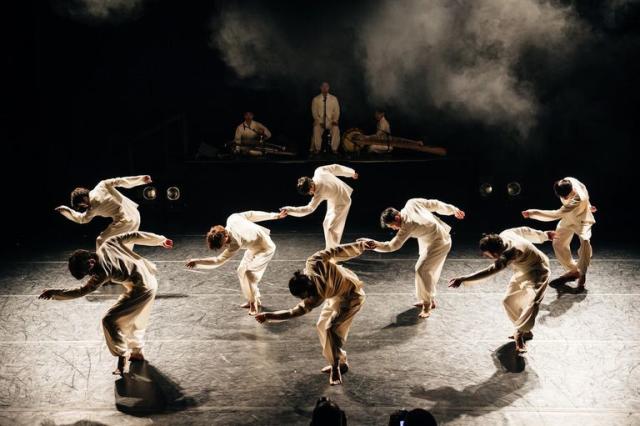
(349, 140)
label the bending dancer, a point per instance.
(529, 282)
(241, 232)
(417, 220)
(576, 217)
(125, 323)
(106, 201)
(324, 281)
(325, 186)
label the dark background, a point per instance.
(87, 99)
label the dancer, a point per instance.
(323, 280)
(241, 232)
(576, 217)
(125, 323)
(106, 201)
(325, 186)
(529, 282)
(417, 220)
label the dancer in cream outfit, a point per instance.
(323, 280)
(125, 323)
(106, 201)
(576, 218)
(417, 220)
(325, 186)
(241, 232)
(530, 279)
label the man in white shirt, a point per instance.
(325, 186)
(383, 131)
(576, 218)
(530, 279)
(250, 131)
(417, 220)
(125, 323)
(106, 201)
(323, 280)
(241, 232)
(325, 110)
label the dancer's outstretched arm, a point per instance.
(533, 235)
(303, 210)
(259, 216)
(73, 215)
(439, 207)
(65, 294)
(501, 263)
(340, 170)
(307, 305)
(127, 182)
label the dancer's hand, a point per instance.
(526, 214)
(191, 263)
(49, 294)
(594, 209)
(355, 176)
(168, 244)
(261, 318)
(459, 214)
(552, 235)
(146, 179)
(369, 244)
(455, 282)
(283, 213)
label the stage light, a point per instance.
(514, 189)
(173, 193)
(486, 189)
(149, 193)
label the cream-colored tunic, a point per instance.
(336, 193)
(247, 133)
(245, 234)
(106, 201)
(434, 242)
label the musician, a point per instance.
(326, 113)
(250, 132)
(383, 131)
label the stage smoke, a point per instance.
(100, 10)
(463, 55)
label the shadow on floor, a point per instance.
(146, 390)
(566, 297)
(510, 382)
(78, 423)
(405, 319)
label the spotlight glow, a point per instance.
(514, 189)
(173, 193)
(486, 189)
(149, 193)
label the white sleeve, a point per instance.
(396, 242)
(238, 136)
(139, 238)
(338, 170)
(437, 206)
(216, 261)
(74, 215)
(533, 235)
(125, 182)
(267, 133)
(258, 216)
(304, 210)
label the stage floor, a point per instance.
(211, 363)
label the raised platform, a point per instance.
(210, 363)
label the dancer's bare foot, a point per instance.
(425, 313)
(570, 276)
(521, 346)
(335, 378)
(582, 281)
(123, 366)
(343, 369)
(137, 356)
(527, 335)
(254, 308)
(245, 305)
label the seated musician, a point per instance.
(251, 132)
(383, 131)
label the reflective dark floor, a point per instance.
(210, 363)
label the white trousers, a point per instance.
(131, 224)
(562, 247)
(429, 267)
(316, 140)
(334, 323)
(125, 323)
(334, 222)
(523, 296)
(252, 269)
